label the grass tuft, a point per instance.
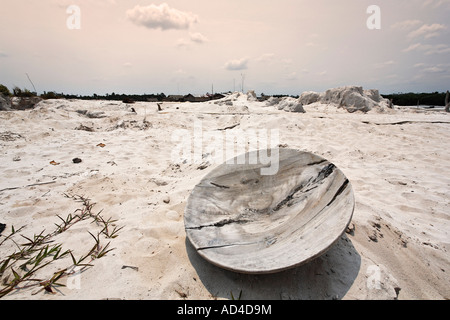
(36, 253)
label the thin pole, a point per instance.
(31, 82)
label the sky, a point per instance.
(199, 46)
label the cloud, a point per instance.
(413, 47)
(3, 54)
(161, 17)
(182, 43)
(198, 38)
(434, 70)
(427, 31)
(193, 38)
(436, 3)
(384, 64)
(418, 65)
(127, 64)
(180, 72)
(266, 57)
(437, 49)
(426, 70)
(428, 49)
(406, 25)
(239, 64)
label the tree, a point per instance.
(4, 90)
(50, 95)
(25, 93)
(17, 91)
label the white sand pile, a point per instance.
(351, 98)
(397, 161)
(288, 104)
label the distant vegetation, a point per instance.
(4, 90)
(25, 93)
(18, 92)
(399, 99)
(413, 99)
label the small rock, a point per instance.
(10, 136)
(95, 115)
(166, 199)
(76, 160)
(350, 229)
(84, 128)
(376, 225)
(181, 294)
(16, 158)
(397, 291)
(203, 165)
(130, 267)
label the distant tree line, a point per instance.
(113, 96)
(23, 93)
(127, 98)
(399, 99)
(412, 99)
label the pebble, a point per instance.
(166, 199)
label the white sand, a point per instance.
(400, 175)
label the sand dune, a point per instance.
(397, 161)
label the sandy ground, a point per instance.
(398, 162)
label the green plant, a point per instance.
(50, 95)
(4, 90)
(25, 93)
(19, 268)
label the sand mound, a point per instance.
(351, 98)
(288, 104)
